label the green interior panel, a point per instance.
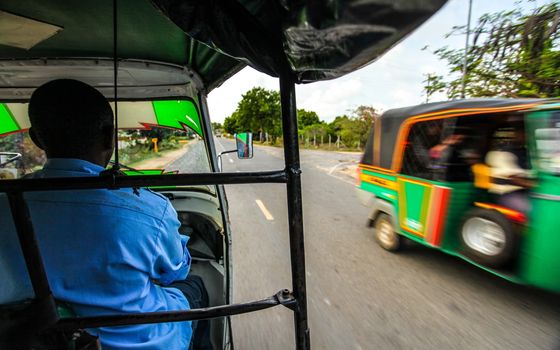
(144, 33)
(177, 114)
(7, 121)
(88, 30)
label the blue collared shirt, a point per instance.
(105, 252)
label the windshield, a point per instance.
(155, 137)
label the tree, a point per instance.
(315, 133)
(217, 126)
(230, 124)
(364, 116)
(432, 84)
(353, 130)
(513, 54)
(258, 112)
(32, 156)
(306, 118)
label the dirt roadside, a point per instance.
(163, 159)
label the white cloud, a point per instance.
(394, 80)
(223, 100)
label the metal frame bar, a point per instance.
(283, 297)
(295, 208)
(227, 258)
(29, 245)
(112, 181)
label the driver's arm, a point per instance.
(172, 260)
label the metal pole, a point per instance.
(295, 208)
(464, 80)
(29, 245)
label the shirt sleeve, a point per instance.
(172, 261)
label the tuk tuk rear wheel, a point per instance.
(385, 234)
(488, 238)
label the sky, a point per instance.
(393, 80)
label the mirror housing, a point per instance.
(244, 142)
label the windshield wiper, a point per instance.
(13, 157)
(125, 167)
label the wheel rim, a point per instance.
(484, 236)
(385, 233)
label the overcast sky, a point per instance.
(394, 80)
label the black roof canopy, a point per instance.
(310, 40)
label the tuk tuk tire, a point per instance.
(385, 233)
(502, 231)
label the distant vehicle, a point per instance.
(440, 173)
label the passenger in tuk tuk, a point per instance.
(107, 251)
(432, 155)
(510, 171)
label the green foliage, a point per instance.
(432, 84)
(9, 143)
(32, 156)
(257, 112)
(307, 118)
(513, 54)
(353, 130)
(217, 126)
(230, 124)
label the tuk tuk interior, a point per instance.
(143, 53)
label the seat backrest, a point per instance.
(22, 322)
(16, 284)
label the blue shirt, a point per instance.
(105, 252)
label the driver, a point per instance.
(107, 251)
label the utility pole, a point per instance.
(464, 80)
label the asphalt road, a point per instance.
(360, 296)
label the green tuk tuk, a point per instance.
(474, 178)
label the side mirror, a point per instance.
(244, 143)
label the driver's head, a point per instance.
(70, 119)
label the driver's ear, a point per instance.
(35, 139)
(108, 133)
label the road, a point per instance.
(360, 296)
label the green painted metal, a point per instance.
(380, 191)
(539, 258)
(177, 114)
(416, 198)
(381, 175)
(463, 196)
(144, 172)
(7, 122)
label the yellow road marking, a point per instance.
(265, 211)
